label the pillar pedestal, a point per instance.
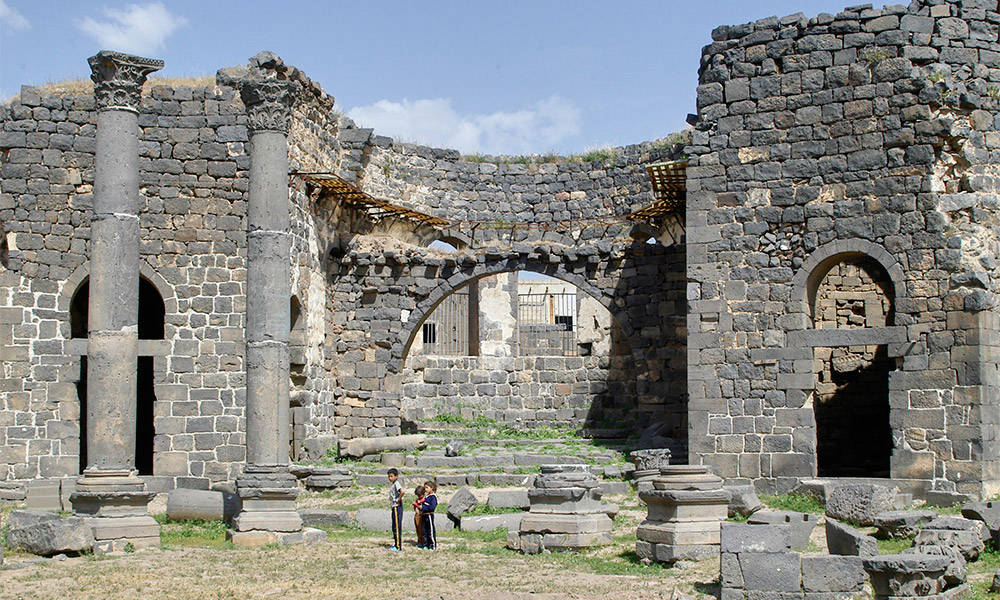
(114, 504)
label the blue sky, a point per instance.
(491, 77)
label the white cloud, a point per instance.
(436, 123)
(9, 17)
(141, 29)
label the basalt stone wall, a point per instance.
(869, 134)
(494, 200)
(357, 301)
(522, 392)
(381, 298)
(193, 163)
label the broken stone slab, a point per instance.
(320, 518)
(506, 479)
(379, 519)
(902, 523)
(448, 479)
(614, 487)
(841, 575)
(906, 575)
(743, 537)
(859, 503)
(555, 523)
(47, 534)
(987, 512)
(944, 498)
(679, 533)
(44, 494)
(802, 524)
(256, 538)
(510, 521)
(206, 505)
(315, 448)
(454, 448)
(995, 586)
(393, 459)
(771, 572)
(650, 459)
(12, 491)
(509, 499)
(673, 553)
(956, 573)
(326, 481)
(844, 540)
(461, 502)
(359, 447)
(546, 459)
(964, 535)
(743, 500)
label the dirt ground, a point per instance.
(355, 565)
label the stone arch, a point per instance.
(426, 306)
(75, 283)
(816, 266)
(849, 398)
(157, 302)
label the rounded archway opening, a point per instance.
(152, 326)
(851, 400)
(546, 353)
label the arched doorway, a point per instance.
(152, 320)
(549, 353)
(851, 401)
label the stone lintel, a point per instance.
(868, 336)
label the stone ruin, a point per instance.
(819, 301)
(565, 512)
(685, 506)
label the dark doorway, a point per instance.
(81, 394)
(853, 435)
(152, 316)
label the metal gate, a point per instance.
(446, 331)
(547, 324)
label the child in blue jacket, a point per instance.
(427, 506)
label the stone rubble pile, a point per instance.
(566, 512)
(685, 504)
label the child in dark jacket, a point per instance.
(427, 506)
(419, 492)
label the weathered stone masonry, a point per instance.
(867, 134)
(358, 298)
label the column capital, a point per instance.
(269, 103)
(118, 78)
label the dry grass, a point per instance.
(355, 564)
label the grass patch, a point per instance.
(796, 502)
(192, 534)
(894, 545)
(485, 509)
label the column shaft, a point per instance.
(268, 289)
(114, 294)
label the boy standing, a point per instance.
(427, 506)
(396, 509)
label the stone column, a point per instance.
(266, 487)
(109, 492)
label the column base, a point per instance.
(268, 513)
(114, 504)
